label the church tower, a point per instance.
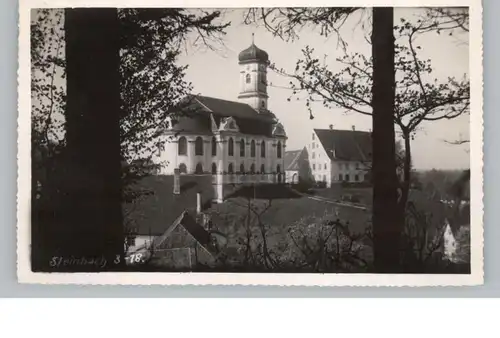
(253, 63)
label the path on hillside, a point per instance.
(327, 200)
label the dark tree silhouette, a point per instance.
(87, 219)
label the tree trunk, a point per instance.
(89, 228)
(386, 228)
(405, 190)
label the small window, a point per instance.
(182, 145)
(279, 149)
(214, 146)
(262, 169)
(252, 169)
(314, 166)
(230, 168)
(230, 147)
(347, 178)
(263, 148)
(341, 178)
(242, 147)
(252, 148)
(325, 166)
(182, 168)
(247, 78)
(278, 169)
(263, 104)
(214, 168)
(242, 168)
(198, 146)
(199, 169)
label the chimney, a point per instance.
(177, 183)
(353, 127)
(198, 203)
(331, 126)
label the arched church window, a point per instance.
(198, 146)
(182, 168)
(199, 169)
(263, 148)
(182, 146)
(242, 168)
(252, 148)
(214, 168)
(214, 146)
(279, 149)
(230, 147)
(242, 147)
(247, 78)
(230, 168)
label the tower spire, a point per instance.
(253, 38)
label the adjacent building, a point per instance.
(337, 156)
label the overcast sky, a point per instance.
(216, 73)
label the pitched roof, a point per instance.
(154, 213)
(200, 108)
(348, 145)
(292, 159)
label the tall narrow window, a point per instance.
(182, 146)
(199, 169)
(278, 169)
(182, 168)
(347, 178)
(262, 169)
(230, 168)
(279, 149)
(242, 147)
(263, 148)
(242, 168)
(198, 146)
(252, 148)
(214, 146)
(230, 147)
(252, 168)
(214, 168)
(247, 78)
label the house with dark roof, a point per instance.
(297, 166)
(234, 142)
(337, 156)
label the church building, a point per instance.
(234, 142)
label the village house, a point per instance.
(337, 156)
(297, 167)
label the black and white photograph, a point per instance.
(250, 145)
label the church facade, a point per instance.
(235, 142)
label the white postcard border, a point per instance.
(25, 275)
